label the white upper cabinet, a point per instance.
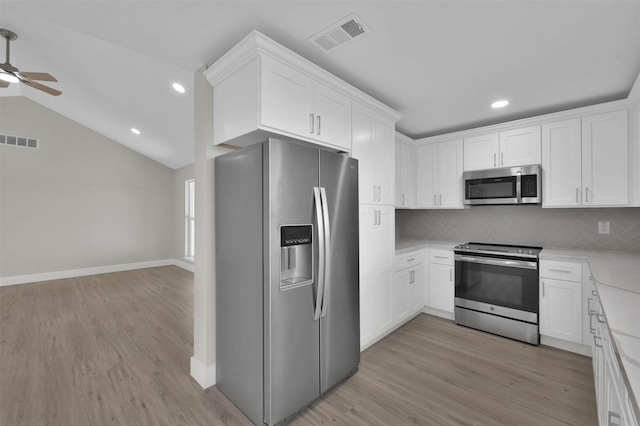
(405, 178)
(605, 178)
(439, 175)
(517, 147)
(263, 89)
(481, 152)
(373, 146)
(585, 161)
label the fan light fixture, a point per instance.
(500, 104)
(9, 78)
(134, 130)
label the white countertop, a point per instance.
(617, 281)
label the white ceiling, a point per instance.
(440, 63)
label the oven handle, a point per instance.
(497, 262)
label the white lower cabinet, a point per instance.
(441, 283)
(377, 230)
(561, 300)
(376, 310)
(612, 396)
(408, 284)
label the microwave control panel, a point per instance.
(529, 186)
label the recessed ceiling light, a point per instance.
(500, 104)
(136, 131)
(178, 88)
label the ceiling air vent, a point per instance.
(18, 141)
(340, 33)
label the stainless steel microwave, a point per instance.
(509, 185)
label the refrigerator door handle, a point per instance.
(321, 253)
(327, 250)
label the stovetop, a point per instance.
(498, 249)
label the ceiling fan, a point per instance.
(11, 74)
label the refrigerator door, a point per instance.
(340, 320)
(291, 335)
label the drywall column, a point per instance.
(203, 361)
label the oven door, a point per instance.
(500, 286)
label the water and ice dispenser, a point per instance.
(296, 256)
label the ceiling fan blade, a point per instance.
(40, 76)
(4, 83)
(42, 87)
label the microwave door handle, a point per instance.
(519, 187)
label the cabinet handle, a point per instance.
(411, 260)
(564, 271)
(502, 159)
(435, 200)
(450, 275)
(379, 193)
(413, 277)
(595, 342)
(403, 199)
(592, 327)
(441, 257)
(440, 200)
(311, 123)
(319, 128)
(543, 288)
(494, 159)
(586, 194)
(610, 419)
(577, 192)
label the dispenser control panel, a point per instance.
(294, 235)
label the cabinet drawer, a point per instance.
(566, 271)
(442, 257)
(408, 260)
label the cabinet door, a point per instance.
(520, 147)
(441, 287)
(368, 249)
(561, 309)
(427, 175)
(376, 316)
(416, 289)
(287, 99)
(562, 164)
(405, 176)
(401, 283)
(384, 235)
(481, 152)
(362, 149)
(605, 178)
(450, 174)
(332, 117)
(384, 153)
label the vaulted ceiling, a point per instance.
(440, 63)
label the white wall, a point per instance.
(79, 201)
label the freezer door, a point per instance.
(291, 335)
(340, 320)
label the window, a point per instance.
(189, 218)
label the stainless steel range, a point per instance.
(496, 289)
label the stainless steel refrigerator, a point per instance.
(287, 295)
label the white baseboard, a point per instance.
(438, 313)
(57, 275)
(204, 375)
(566, 346)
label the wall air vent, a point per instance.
(18, 141)
(340, 33)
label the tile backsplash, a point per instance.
(526, 225)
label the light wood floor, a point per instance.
(114, 349)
